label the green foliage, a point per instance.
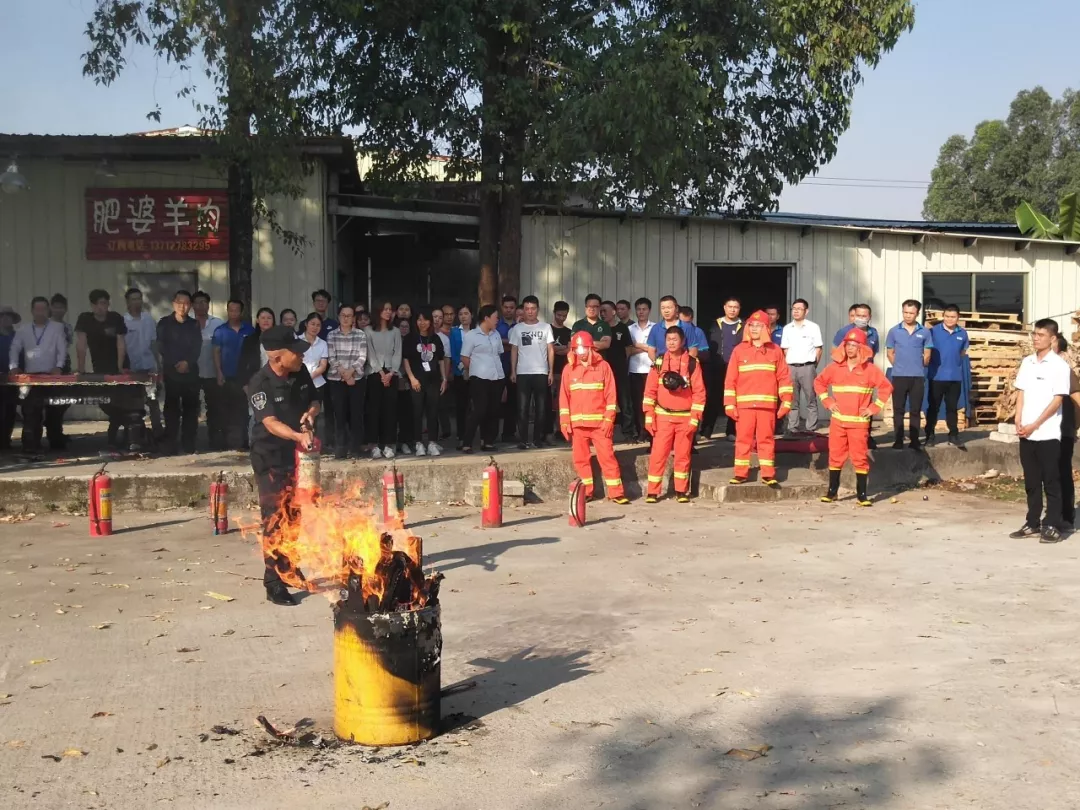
(659, 104)
(1033, 155)
(252, 57)
(1038, 226)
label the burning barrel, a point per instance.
(387, 674)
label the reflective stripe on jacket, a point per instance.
(684, 404)
(587, 395)
(852, 390)
(757, 377)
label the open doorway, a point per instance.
(756, 286)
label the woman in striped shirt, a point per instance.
(346, 382)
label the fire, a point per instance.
(332, 542)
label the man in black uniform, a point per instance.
(285, 402)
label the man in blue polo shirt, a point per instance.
(950, 344)
(776, 331)
(695, 336)
(908, 346)
(226, 344)
(859, 317)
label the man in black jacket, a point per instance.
(179, 341)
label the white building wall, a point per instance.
(43, 239)
(567, 257)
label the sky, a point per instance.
(962, 64)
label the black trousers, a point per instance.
(903, 389)
(425, 409)
(233, 420)
(949, 392)
(1065, 473)
(382, 404)
(622, 398)
(33, 418)
(509, 411)
(275, 504)
(446, 407)
(182, 411)
(54, 424)
(532, 388)
(9, 400)
(348, 415)
(405, 417)
(215, 413)
(714, 415)
(460, 390)
(637, 395)
(553, 413)
(1041, 461)
(484, 397)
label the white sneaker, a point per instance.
(388, 452)
(376, 453)
(420, 449)
(433, 449)
(405, 451)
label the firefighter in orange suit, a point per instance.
(852, 378)
(757, 392)
(673, 404)
(587, 415)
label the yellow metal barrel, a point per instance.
(387, 675)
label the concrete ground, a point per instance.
(908, 656)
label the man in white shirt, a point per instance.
(532, 367)
(38, 347)
(141, 340)
(639, 365)
(215, 418)
(1042, 384)
(801, 342)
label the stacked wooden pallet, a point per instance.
(999, 342)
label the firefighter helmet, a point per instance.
(581, 342)
(673, 381)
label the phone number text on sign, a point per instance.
(126, 223)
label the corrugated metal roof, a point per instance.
(822, 220)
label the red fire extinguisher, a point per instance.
(219, 505)
(578, 499)
(491, 504)
(393, 499)
(308, 465)
(100, 506)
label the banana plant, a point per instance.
(1039, 226)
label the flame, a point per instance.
(332, 541)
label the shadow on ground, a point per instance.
(514, 679)
(486, 556)
(860, 755)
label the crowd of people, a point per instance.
(398, 380)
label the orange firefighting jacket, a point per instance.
(757, 377)
(685, 404)
(587, 396)
(852, 390)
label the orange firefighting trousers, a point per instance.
(760, 425)
(848, 441)
(671, 434)
(605, 453)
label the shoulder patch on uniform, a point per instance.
(258, 400)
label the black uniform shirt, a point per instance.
(285, 398)
(616, 355)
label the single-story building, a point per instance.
(105, 212)
(147, 211)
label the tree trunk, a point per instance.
(238, 55)
(510, 214)
(490, 165)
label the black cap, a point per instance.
(277, 338)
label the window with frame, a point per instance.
(976, 292)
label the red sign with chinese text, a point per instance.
(157, 223)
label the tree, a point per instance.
(1033, 155)
(647, 104)
(1039, 226)
(255, 56)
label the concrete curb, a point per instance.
(546, 475)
